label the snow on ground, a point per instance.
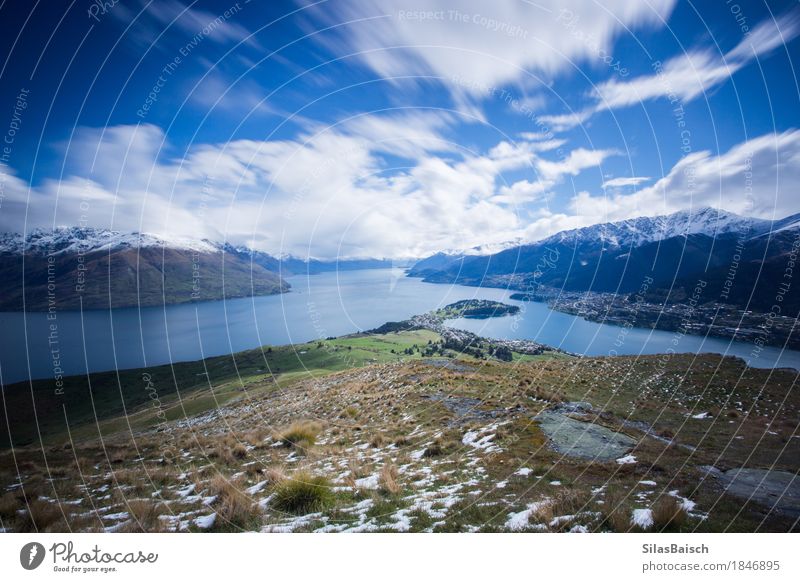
(205, 521)
(519, 520)
(626, 460)
(642, 518)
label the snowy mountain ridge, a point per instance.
(74, 239)
(708, 221)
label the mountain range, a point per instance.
(88, 268)
(741, 260)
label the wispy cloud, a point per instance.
(473, 44)
(623, 182)
(685, 77)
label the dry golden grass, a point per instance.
(615, 514)
(239, 451)
(301, 435)
(144, 516)
(274, 475)
(256, 437)
(237, 510)
(41, 516)
(388, 479)
(668, 513)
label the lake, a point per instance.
(319, 306)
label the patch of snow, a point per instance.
(205, 521)
(370, 482)
(626, 460)
(642, 517)
(519, 520)
(256, 488)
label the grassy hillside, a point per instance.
(356, 434)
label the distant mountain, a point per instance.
(675, 251)
(287, 265)
(98, 269)
(451, 258)
(105, 268)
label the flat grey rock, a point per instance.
(778, 490)
(584, 440)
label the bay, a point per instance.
(319, 306)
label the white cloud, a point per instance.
(685, 77)
(697, 71)
(328, 193)
(475, 44)
(759, 178)
(145, 23)
(625, 181)
(578, 160)
(333, 193)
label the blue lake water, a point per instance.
(328, 304)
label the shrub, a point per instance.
(303, 493)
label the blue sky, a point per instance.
(394, 128)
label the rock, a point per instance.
(585, 440)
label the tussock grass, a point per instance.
(303, 493)
(41, 516)
(9, 505)
(301, 435)
(668, 513)
(144, 516)
(544, 393)
(274, 475)
(388, 479)
(616, 515)
(235, 509)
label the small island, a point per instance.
(465, 342)
(475, 309)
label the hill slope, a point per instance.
(100, 269)
(674, 251)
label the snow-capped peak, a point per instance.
(638, 231)
(75, 239)
(483, 249)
